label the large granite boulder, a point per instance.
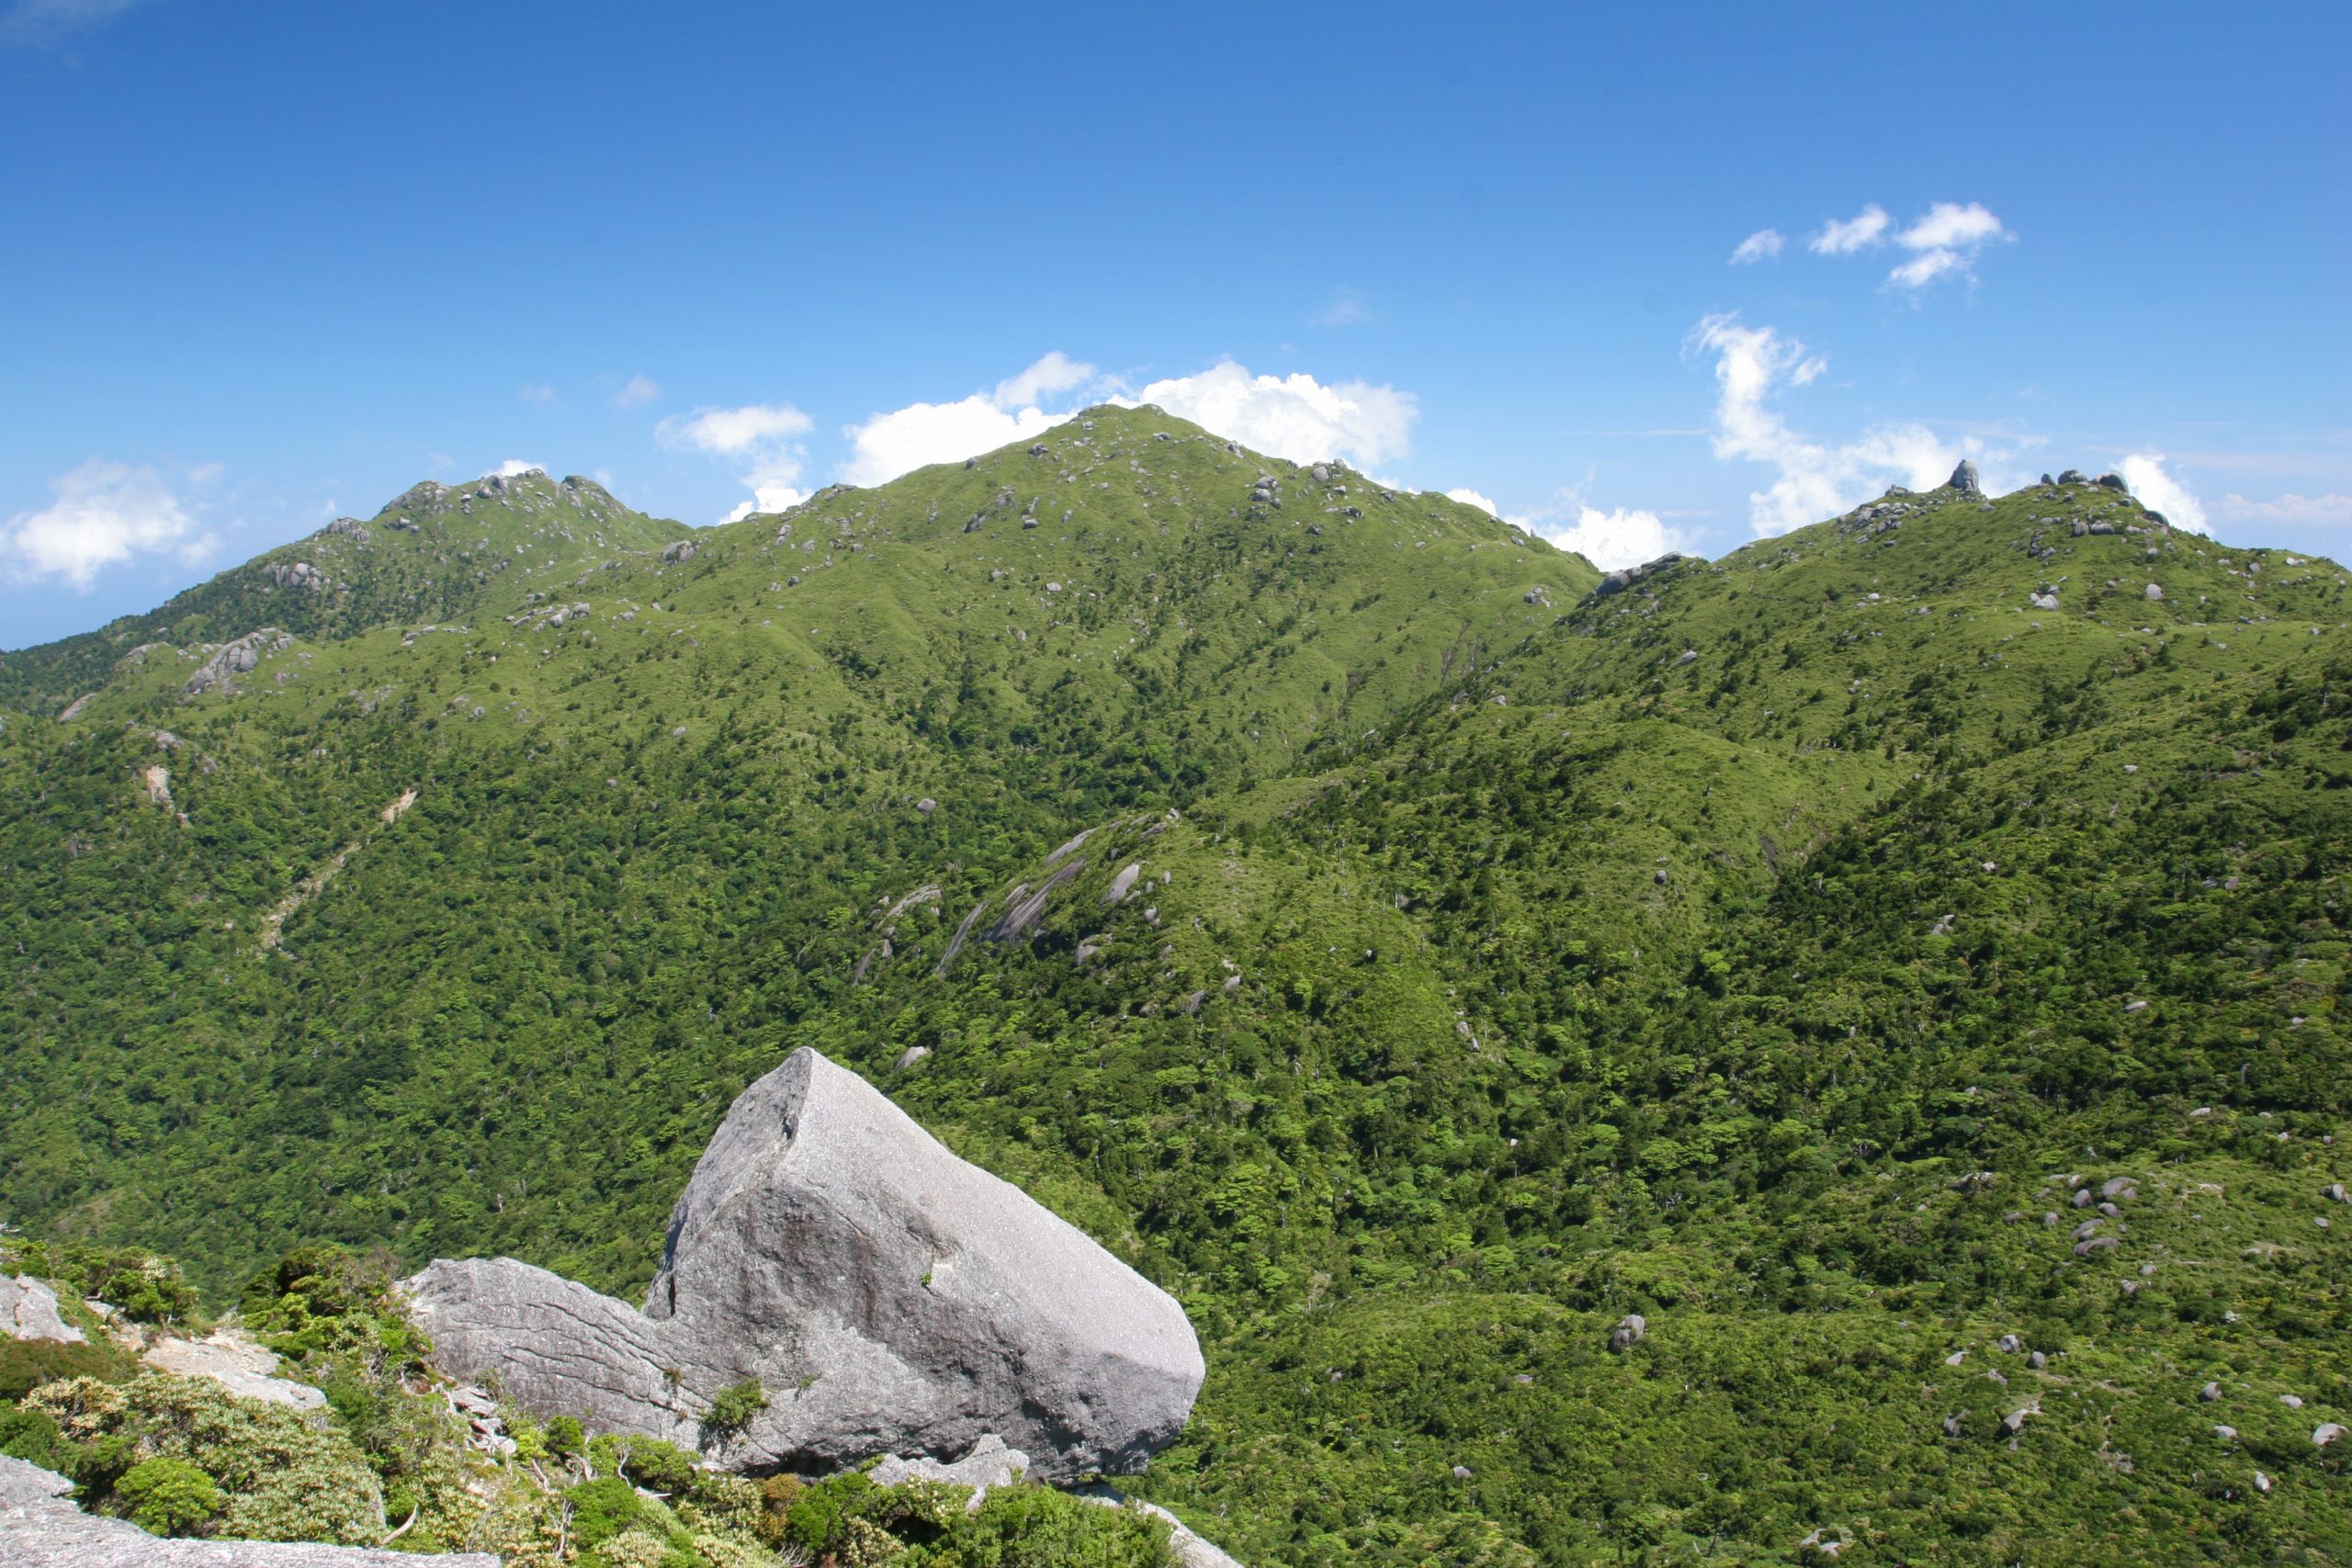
(889, 1297)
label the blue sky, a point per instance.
(264, 264)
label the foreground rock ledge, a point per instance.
(888, 1296)
(41, 1529)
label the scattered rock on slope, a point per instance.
(889, 1297)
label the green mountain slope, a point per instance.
(435, 553)
(1781, 948)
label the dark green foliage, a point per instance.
(25, 1364)
(324, 1302)
(167, 1497)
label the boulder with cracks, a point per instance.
(887, 1296)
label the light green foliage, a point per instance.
(167, 1497)
(1497, 970)
(288, 1475)
(1036, 1526)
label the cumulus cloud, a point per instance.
(763, 438)
(1763, 246)
(898, 442)
(1840, 236)
(634, 390)
(104, 514)
(1610, 540)
(1621, 537)
(1293, 416)
(2145, 472)
(1817, 479)
(514, 467)
(2289, 508)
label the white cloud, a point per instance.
(1948, 240)
(1922, 270)
(515, 466)
(1614, 539)
(1294, 416)
(2145, 472)
(733, 432)
(1609, 540)
(1817, 480)
(1761, 245)
(2289, 508)
(1056, 372)
(906, 439)
(537, 392)
(634, 390)
(104, 515)
(1840, 236)
(761, 437)
(898, 442)
(1950, 226)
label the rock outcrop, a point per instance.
(41, 1529)
(888, 1297)
(29, 1311)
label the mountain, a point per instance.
(435, 553)
(1417, 952)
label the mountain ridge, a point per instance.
(1444, 975)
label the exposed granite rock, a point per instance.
(237, 1364)
(1964, 480)
(232, 660)
(990, 1464)
(889, 1297)
(40, 1528)
(29, 1311)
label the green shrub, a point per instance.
(735, 1408)
(324, 1301)
(819, 1517)
(167, 1497)
(1036, 1526)
(601, 1509)
(26, 1364)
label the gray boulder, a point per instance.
(1628, 1332)
(889, 1297)
(29, 1311)
(41, 1529)
(1964, 480)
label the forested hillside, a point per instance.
(1898, 961)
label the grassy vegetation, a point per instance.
(1758, 949)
